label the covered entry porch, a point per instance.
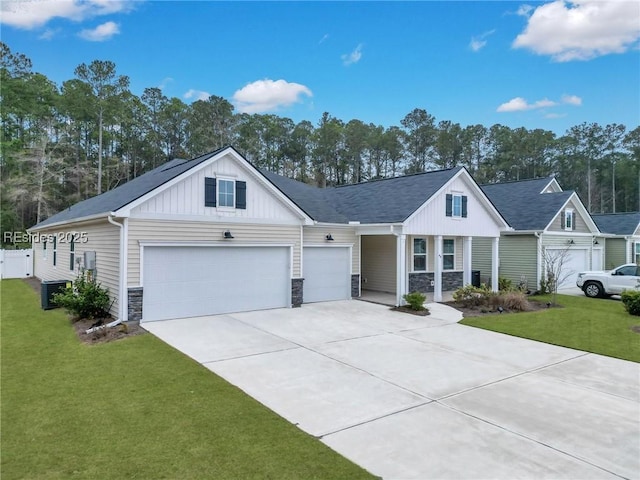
(394, 263)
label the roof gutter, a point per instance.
(67, 222)
(123, 303)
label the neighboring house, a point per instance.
(546, 221)
(216, 235)
(622, 244)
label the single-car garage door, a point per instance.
(194, 281)
(327, 274)
(574, 263)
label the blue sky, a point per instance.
(547, 65)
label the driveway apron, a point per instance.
(424, 397)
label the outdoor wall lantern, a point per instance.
(570, 242)
(329, 238)
(227, 234)
(595, 242)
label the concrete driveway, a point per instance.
(424, 397)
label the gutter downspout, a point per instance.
(539, 255)
(123, 303)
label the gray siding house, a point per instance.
(622, 243)
(545, 221)
(216, 235)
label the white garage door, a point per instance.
(327, 274)
(194, 281)
(574, 263)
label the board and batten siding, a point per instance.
(615, 253)
(481, 249)
(101, 237)
(519, 257)
(580, 224)
(431, 218)
(198, 231)
(379, 263)
(342, 235)
(187, 197)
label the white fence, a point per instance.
(16, 263)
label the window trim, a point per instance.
(219, 192)
(425, 254)
(55, 250)
(569, 212)
(636, 252)
(452, 254)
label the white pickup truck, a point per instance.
(610, 282)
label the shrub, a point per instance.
(631, 301)
(505, 285)
(511, 301)
(85, 298)
(470, 296)
(415, 300)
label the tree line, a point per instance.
(64, 143)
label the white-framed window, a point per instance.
(420, 254)
(637, 255)
(448, 254)
(457, 205)
(226, 193)
(569, 219)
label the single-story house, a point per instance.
(546, 221)
(622, 244)
(216, 235)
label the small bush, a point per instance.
(85, 298)
(631, 301)
(470, 296)
(415, 300)
(505, 285)
(516, 301)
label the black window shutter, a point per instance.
(241, 194)
(563, 222)
(449, 204)
(209, 192)
(464, 206)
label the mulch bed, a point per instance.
(103, 335)
(467, 312)
(420, 313)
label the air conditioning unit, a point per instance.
(47, 289)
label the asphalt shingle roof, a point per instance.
(617, 223)
(523, 206)
(390, 200)
(127, 192)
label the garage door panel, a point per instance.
(194, 281)
(574, 263)
(327, 274)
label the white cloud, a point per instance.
(519, 104)
(29, 14)
(49, 33)
(165, 81)
(196, 94)
(524, 10)
(479, 42)
(353, 57)
(581, 29)
(555, 115)
(324, 38)
(267, 95)
(572, 100)
(101, 32)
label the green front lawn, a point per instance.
(134, 408)
(593, 325)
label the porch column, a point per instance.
(495, 263)
(437, 274)
(401, 261)
(467, 261)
